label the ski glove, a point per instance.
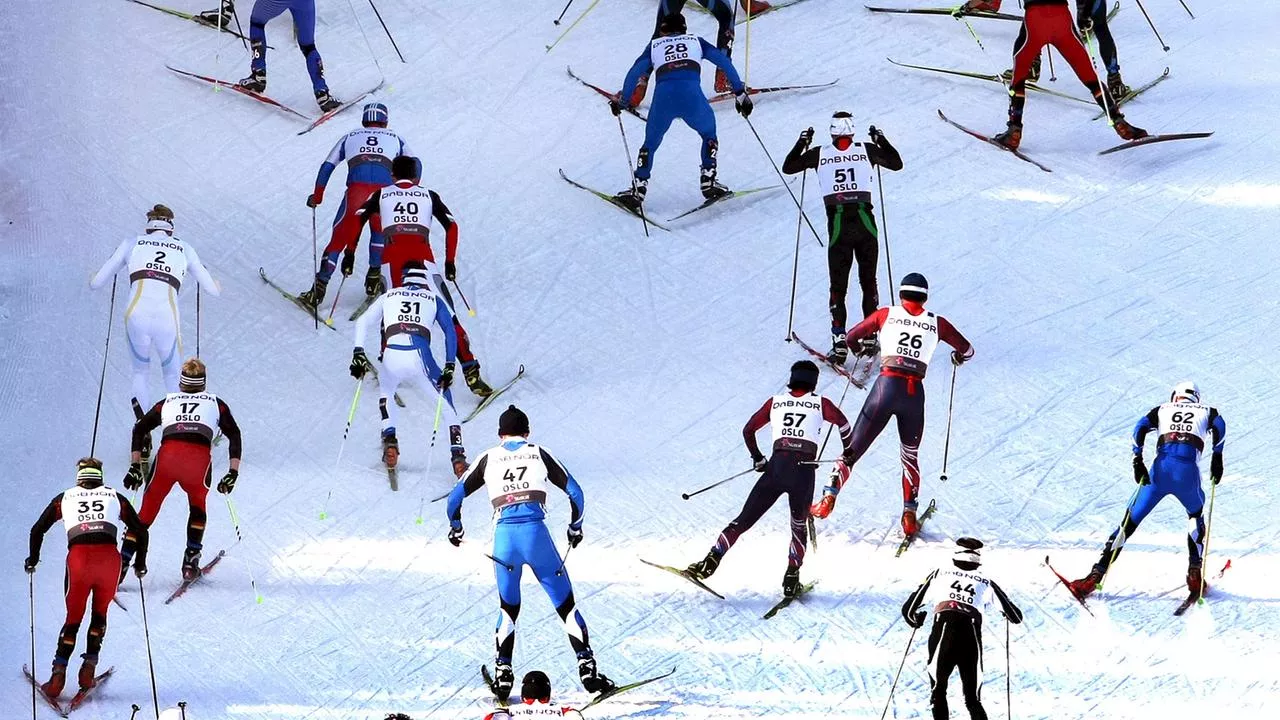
(359, 363)
(140, 567)
(348, 263)
(133, 479)
(1215, 468)
(315, 198)
(760, 464)
(228, 481)
(1140, 474)
(455, 535)
(575, 536)
(615, 106)
(957, 359)
(917, 619)
(30, 564)
(450, 271)
(373, 282)
(806, 137)
(847, 458)
(875, 134)
(446, 377)
(742, 101)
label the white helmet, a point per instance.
(1185, 390)
(842, 125)
(174, 713)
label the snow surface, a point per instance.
(1087, 293)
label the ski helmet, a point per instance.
(414, 273)
(89, 472)
(842, 125)
(535, 686)
(967, 556)
(672, 24)
(914, 287)
(160, 217)
(193, 376)
(375, 115)
(406, 167)
(804, 376)
(1185, 390)
(513, 422)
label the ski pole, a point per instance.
(351, 414)
(385, 30)
(562, 12)
(1106, 94)
(1008, 672)
(1184, 7)
(509, 568)
(1163, 45)
(784, 181)
(435, 429)
(97, 411)
(333, 308)
(1204, 561)
(795, 265)
(182, 709)
(946, 447)
(898, 674)
(1053, 76)
(31, 597)
(315, 259)
(564, 560)
(746, 60)
(974, 34)
(197, 321)
(244, 42)
(470, 312)
(884, 228)
(574, 24)
(134, 714)
(626, 148)
(235, 523)
(146, 635)
(718, 483)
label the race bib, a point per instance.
(518, 476)
(158, 257)
(90, 510)
(907, 341)
(189, 413)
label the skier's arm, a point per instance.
(227, 424)
(870, 325)
(472, 481)
(143, 428)
(883, 154)
(563, 479)
(722, 61)
(114, 264)
(1010, 610)
(758, 420)
(951, 336)
(1146, 424)
(912, 605)
(444, 319)
(642, 65)
(371, 315)
(198, 269)
(442, 215)
(336, 155)
(1217, 430)
(834, 415)
(52, 514)
(800, 159)
(133, 525)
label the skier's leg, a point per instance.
(800, 480)
(263, 12)
(1186, 487)
(1106, 43)
(196, 485)
(1143, 502)
(78, 582)
(426, 377)
(1026, 50)
(702, 120)
(866, 250)
(661, 114)
(337, 240)
(167, 337)
(839, 264)
(874, 415)
(138, 336)
(940, 666)
(507, 548)
(970, 664)
(546, 563)
(910, 413)
(763, 495)
(304, 19)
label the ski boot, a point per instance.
(222, 17)
(633, 197)
(711, 190)
(973, 6)
(704, 568)
(1128, 131)
(390, 448)
(326, 101)
(459, 459)
(1195, 582)
(313, 297)
(910, 523)
(190, 564)
(791, 582)
(475, 383)
(504, 678)
(88, 671)
(1085, 586)
(839, 350)
(1011, 137)
(1033, 75)
(256, 82)
(373, 285)
(57, 680)
(1116, 86)
(592, 680)
(822, 509)
(637, 95)
(755, 7)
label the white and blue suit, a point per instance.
(304, 21)
(518, 476)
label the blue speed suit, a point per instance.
(518, 476)
(304, 20)
(1182, 428)
(676, 60)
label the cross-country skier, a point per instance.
(846, 178)
(1091, 16)
(91, 513)
(369, 153)
(404, 316)
(157, 263)
(518, 475)
(1182, 426)
(795, 419)
(402, 212)
(908, 335)
(723, 11)
(959, 598)
(1049, 22)
(535, 701)
(304, 24)
(676, 57)
(188, 420)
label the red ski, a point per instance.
(857, 377)
(247, 93)
(604, 93)
(721, 97)
(1067, 584)
(53, 702)
(325, 117)
(83, 693)
(188, 583)
(1148, 140)
(992, 142)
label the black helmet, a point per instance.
(804, 376)
(406, 167)
(512, 422)
(535, 686)
(672, 24)
(914, 287)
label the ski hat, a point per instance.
(842, 124)
(193, 376)
(89, 472)
(160, 217)
(804, 376)
(406, 167)
(672, 24)
(414, 272)
(535, 686)
(375, 114)
(176, 713)
(1185, 390)
(513, 422)
(967, 556)
(915, 285)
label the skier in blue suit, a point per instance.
(676, 58)
(304, 21)
(1182, 425)
(518, 476)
